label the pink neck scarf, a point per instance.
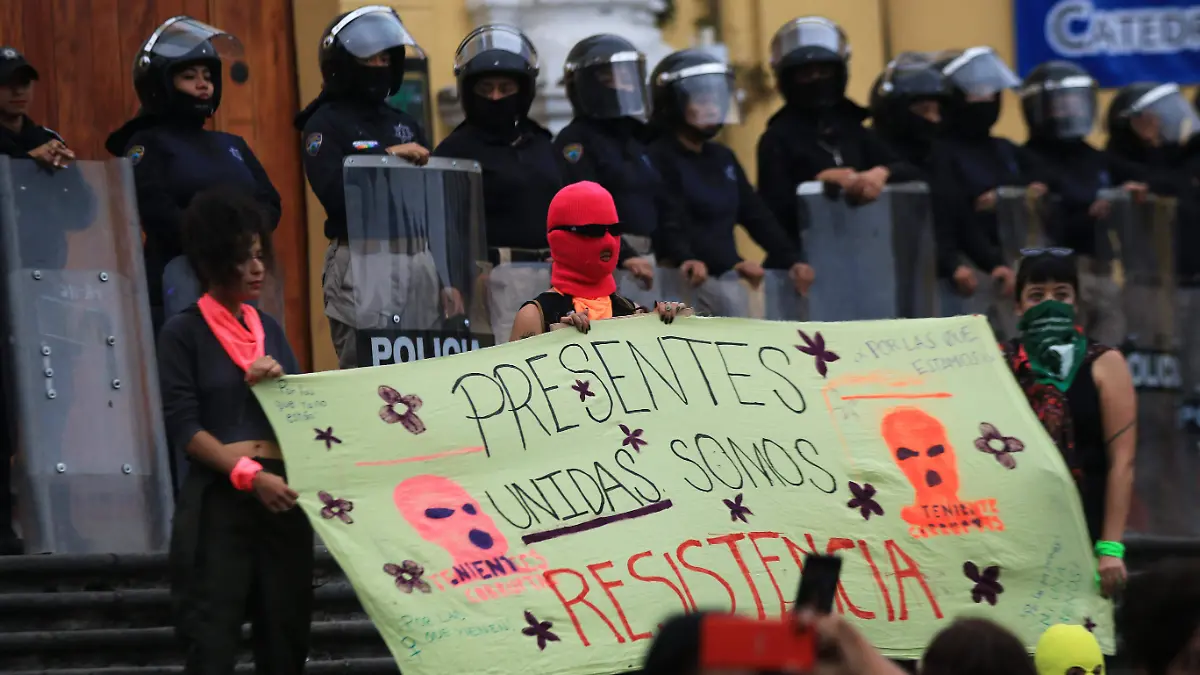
(245, 344)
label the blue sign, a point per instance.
(1118, 41)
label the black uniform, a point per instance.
(818, 128)
(605, 143)
(614, 154)
(336, 126)
(692, 97)
(174, 157)
(520, 172)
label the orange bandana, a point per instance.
(595, 308)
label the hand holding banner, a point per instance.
(543, 505)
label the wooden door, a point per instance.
(84, 51)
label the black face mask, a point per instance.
(917, 128)
(975, 120)
(498, 116)
(372, 83)
(701, 135)
(819, 94)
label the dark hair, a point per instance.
(976, 647)
(219, 227)
(1160, 613)
(676, 648)
(1041, 268)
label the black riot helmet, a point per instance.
(605, 78)
(810, 57)
(353, 38)
(693, 91)
(181, 42)
(976, 77)
(1059, 101)
(911, 78)
(496, 49)
(1152, 107)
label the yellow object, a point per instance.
(541, 506)
(1064, 648)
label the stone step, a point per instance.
(110, 615)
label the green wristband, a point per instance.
(1111, 549)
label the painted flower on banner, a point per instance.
(539, 629)
(815, 347)
(584, 389)
(335, 508)
(409, 404)
(633, 438)
(326, 436)
(998, 445)
(987, 583)
(737, 510)
(408, 576)
(864, 500)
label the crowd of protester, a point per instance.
(639, 174)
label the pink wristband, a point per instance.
(243, 474)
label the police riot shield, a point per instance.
(1017, 229)
(1167, 465)
(872, 261)
(417, 249)
(91, 454)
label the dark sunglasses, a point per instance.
(592, 231)
(1058, 251)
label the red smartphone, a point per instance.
(729, 641)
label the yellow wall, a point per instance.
(878, 29)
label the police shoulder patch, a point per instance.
(572, 152)
(136, 153)
(312, 144)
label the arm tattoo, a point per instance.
(1123, 429)
(527, 335)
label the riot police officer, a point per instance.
(497, 68)
(1155, 126)
(906, 106)
(818, 134)
(178, 75)
(20, 137)
(692, 98)
(972, 165)
(1058, 100)
(907, 101)
(605, 143)
(362, 56)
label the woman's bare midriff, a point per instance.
(263, 449)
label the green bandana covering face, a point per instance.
(1054, 347)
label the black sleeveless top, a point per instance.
(554, 306)
(1073, 419)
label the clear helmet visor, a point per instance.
(708, 96)
(1066, 109)
(495, 38)
(368, 31)
(1164, 111)
(807, 32)
(613, 88)
(181, 35)
(912, 74)
(979, 73)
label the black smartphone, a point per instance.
(818, 583)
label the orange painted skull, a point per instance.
(443, 513)
(920, 448)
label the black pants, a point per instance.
(232, 559)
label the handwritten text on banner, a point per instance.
(542, 506)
